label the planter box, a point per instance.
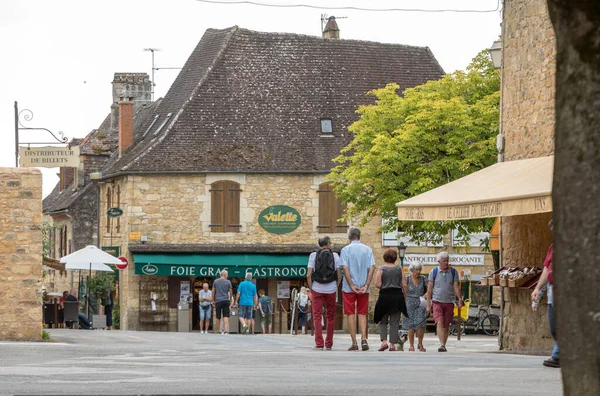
(98, 321)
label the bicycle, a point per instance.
(489, 323)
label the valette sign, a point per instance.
(279, 219)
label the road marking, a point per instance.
(139, 338)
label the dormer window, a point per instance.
(326, 127)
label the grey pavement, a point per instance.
(125, 362)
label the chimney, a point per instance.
(331, 29)
(114, 117)
(66, 176)
(125, 126)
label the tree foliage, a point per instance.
(406, 145)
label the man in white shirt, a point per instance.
(205, 299)
(324, 277)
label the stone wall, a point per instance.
(21, 254)
(175, 209)
(528, 123)
(528, 74)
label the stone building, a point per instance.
(528, 117)
(71, 209)
(519, 190)
(228, 170)
(21, 254)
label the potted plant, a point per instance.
(100, 286)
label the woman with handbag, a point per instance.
(416, 290)
(390, 304)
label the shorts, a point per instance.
(355, 303)
(302, 318)
(222, 309)
(263, 319)
(246, 312)
(205, 312)
(443, 312)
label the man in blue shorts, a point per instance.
(247, 299)
(205, 298)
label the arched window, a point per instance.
(118, 193)
(330, 211)
(108, 206)
(225, 206)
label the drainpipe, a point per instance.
(71, 272)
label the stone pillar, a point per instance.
(21, 254)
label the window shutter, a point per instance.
(232, 207)
(325, 224)
(174, 286)
(217, 206)
(340, 226)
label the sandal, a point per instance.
(422, 348)
(411, 349)
(393, 348)
(364, 345)
(383, 347)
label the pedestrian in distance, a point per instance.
(442, 287)
(265, 307)
(358, 265)
(416, 290)
(304, 306)
(390, 304)
(246, 299)
(205, 306)
(546, 280)
(222, 298)
(324, 276)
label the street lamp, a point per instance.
(401, 252)
(496, 53)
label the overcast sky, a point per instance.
(59, 57)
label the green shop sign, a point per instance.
(112, 250)
(214, 271)
(210, 265)
(279, 219)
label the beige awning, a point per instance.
(504, 189)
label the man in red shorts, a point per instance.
(441, 290)
(358, 265)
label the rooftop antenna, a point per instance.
(325, 18)
(156, 68)
(153, 85)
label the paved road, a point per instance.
(123, 362)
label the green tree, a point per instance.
(405, 145)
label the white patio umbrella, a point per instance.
(89, 258)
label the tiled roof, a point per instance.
(250, 101)
(61, 200)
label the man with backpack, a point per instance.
(324, 277)
(442, 287)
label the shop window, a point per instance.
(330, 211)
(174, 285)
(225, 206)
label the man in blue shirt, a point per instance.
(247, 299)
(358, 265)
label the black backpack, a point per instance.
(324, 267)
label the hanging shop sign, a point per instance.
(112, 250)
(49, 157)
(114, 212)
(455, 259)
(279, 219)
